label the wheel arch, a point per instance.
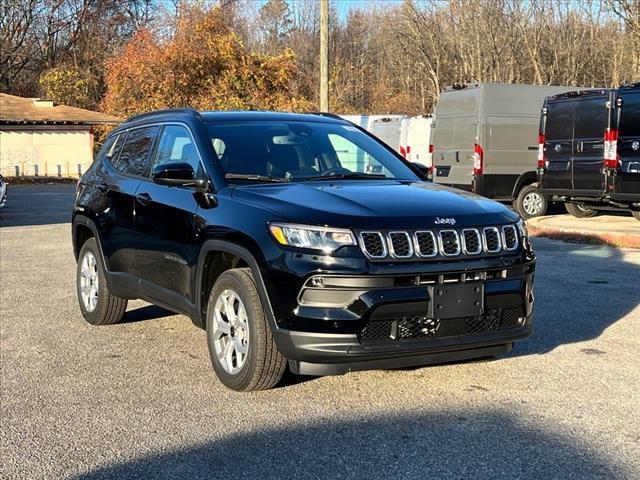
(83, 229)
(527, 178)
(217, 256)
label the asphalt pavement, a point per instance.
(139, 400)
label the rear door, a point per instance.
(119, 183)
(591, 118)
(559, 145)
(628, 181)
(454, 139)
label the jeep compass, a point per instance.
(296, 241)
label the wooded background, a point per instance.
(128, 56)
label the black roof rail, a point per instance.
(630, 85)
(189, 111)
(328, 115)
(580, 93)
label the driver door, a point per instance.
(166, 221)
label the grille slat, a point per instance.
(373, 244)
(492, 242)
(400, 245)
(449, 243)
(472, 241)
(426, 245)
(510, 237)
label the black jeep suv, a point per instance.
(296, 239)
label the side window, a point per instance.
(560, 121)
(591, 118)
(355, 158)
(135, 152)
(176, 145)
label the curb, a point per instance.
(591, 238)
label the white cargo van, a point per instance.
(485, 141)
(409, 136)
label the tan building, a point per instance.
(39, 138)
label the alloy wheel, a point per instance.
(230, 331)
(532, 203)
(89, 282)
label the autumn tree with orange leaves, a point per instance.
(203, 65)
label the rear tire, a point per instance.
(530, 202)
(578, 210)
(243, 353)
(98, 305)
(636, 214)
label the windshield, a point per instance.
(300, 151)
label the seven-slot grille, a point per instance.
(447, 243)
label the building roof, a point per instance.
(20, 110)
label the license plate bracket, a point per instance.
(455, 300)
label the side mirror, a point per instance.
(178, 173)
(424, 170)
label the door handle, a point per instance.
(103, 187)
(143, 199)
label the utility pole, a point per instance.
(324, 55)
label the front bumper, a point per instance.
(336, 354)
(380, 322)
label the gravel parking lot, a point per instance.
(139, 400)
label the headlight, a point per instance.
(522, 228)
(312, 237)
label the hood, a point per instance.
(375, 204)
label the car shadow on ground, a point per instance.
(581, 290)
(148, 312)
(481, 445)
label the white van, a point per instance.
(409, 136)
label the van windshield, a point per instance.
(301, 151)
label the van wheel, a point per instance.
(579, 210)
(241, 346)
(530, 202)
(98, 305)
(636, 214)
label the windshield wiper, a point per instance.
(255, 178)
(352, 175)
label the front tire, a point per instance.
(580, 211)
(530, 202)
(243, 353)
(98, 305)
